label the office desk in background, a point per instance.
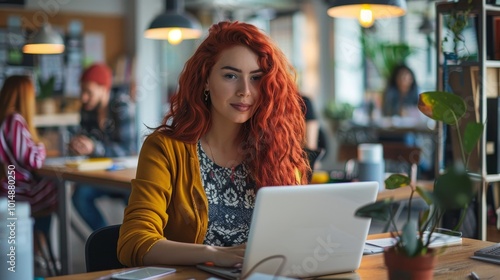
(118, 180)
(366, 131)
(454, 263)
(62, 122)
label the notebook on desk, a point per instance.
(305, 231)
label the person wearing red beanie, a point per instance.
(96, 85)
(107, 130)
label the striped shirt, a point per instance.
(19, 153)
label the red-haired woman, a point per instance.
(235, 125)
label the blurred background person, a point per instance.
(21, 152)
(400, 99)
(401, 93)
(20, 148)
(107, 130)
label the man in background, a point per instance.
(107, 129)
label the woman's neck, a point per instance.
(222, 145)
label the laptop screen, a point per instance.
(310, 230)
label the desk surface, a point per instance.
(117, 179)
(121, 179)
(454, 263)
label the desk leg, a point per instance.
(64, 215)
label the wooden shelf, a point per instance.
(492, 63)
(477, 82)
(492, 8)
(55, 120)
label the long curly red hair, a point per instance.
(273, 138)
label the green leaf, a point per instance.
(472, 134)
(385, 55)
(426, 195)
(453, 189)
(396, 181)
(442, 106)
(379, 210)
(409, 238)
(424, 216)
(46, 87)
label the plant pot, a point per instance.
(400, 266)
(46, 106)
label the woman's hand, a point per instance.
(227, 256)
(167, 252)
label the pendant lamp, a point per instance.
(174, 24)
(45, 41)
(366, 11)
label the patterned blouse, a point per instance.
(231, 199)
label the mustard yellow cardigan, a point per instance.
(167, 199)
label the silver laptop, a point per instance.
(305, 231)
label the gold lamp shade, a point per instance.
(45, 41)
(366, 11)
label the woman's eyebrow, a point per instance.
(239, 70)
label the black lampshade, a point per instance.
(174, 24)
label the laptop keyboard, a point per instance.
(489, 254)
(225, 272)
(495, 251)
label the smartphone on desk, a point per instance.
(143, 273)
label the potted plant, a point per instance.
(385, 55)
(337, 112)
(456, 22)
(46, 103)
(452, 190)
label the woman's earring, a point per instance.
(206, 93)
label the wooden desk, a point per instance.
(113, 180)
(454, 263)
(53, 120)
(62, 122)
(117, 180)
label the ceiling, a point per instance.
(250, 5)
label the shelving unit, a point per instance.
(476, 79)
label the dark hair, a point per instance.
(396, 71)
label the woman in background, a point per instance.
(400, 99)
(401, 92)
(235, 125)
(21, 150)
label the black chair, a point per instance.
(100, 249)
